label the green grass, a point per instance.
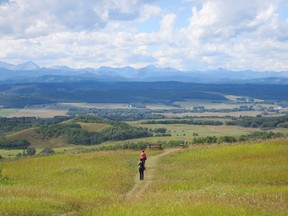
(59, 184)
(246, 179)
(186, 130)
(36, 140)
(233, 180)
(4, 112)
(94, 127)
(241, 179)
(10, 153)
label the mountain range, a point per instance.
(31, 72)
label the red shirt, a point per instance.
(143, 155)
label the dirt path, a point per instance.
(140, 186)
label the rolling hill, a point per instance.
(241, 179)
(31, 72)
(27, 94)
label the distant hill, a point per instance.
(24, 72)
(91, 91)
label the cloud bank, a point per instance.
(189, 35)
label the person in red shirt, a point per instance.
(143, 157)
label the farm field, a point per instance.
(5, 112)
(186, 131)
(240, 179)
(188, 104)
(58, 109)
(95, 105)
(213, 114)
(179, 132)
(41, 113)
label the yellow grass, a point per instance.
(209, 114)
(243, 179)
(249, 179)
(37, 141)
(202, 130)
(94, 127)
(96, 105)
(189, 104)
(58, 184)
(41, 113)
(6, 112)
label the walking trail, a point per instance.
(140, 186)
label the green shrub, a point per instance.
(30, 151)
(283, 125)
(227, 139)
(207, 139)
(47, 151)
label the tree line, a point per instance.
(138, 145)
(132, 114)
(7, 143)
(260, 122)
(21, 123)
(185, 121)
(232, 139)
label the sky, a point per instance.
(183, 34)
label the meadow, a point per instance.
(179, 132)
(4, 112)
(238, 179)
(59, 184)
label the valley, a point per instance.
(79, 146)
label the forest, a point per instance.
(260, 122)
(28, 94)
(231, 139)
(131, 114)
(74, 134)
(7, 143)
(8, 125)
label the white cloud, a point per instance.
(167, 24)
(221, 33)
(227, 25)
(70, 15)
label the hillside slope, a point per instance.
(243, 179)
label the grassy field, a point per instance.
(189, 104)
(60, 184)
(212, 114)
(186, 130)
(243, 179)
(41, 113)
(93, 127)
(7, 112)
(178, 132)
(95, 105)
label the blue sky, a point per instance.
(183, 34)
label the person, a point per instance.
(143, 157)
(141, 168)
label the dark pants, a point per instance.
(143, 160)
(141, 172)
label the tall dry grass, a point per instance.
(243, 179)
(60, 184)
(246, 179)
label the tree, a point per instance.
(160, 130)
(30, 151)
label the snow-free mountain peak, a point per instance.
(27, 66)
(6, 65)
